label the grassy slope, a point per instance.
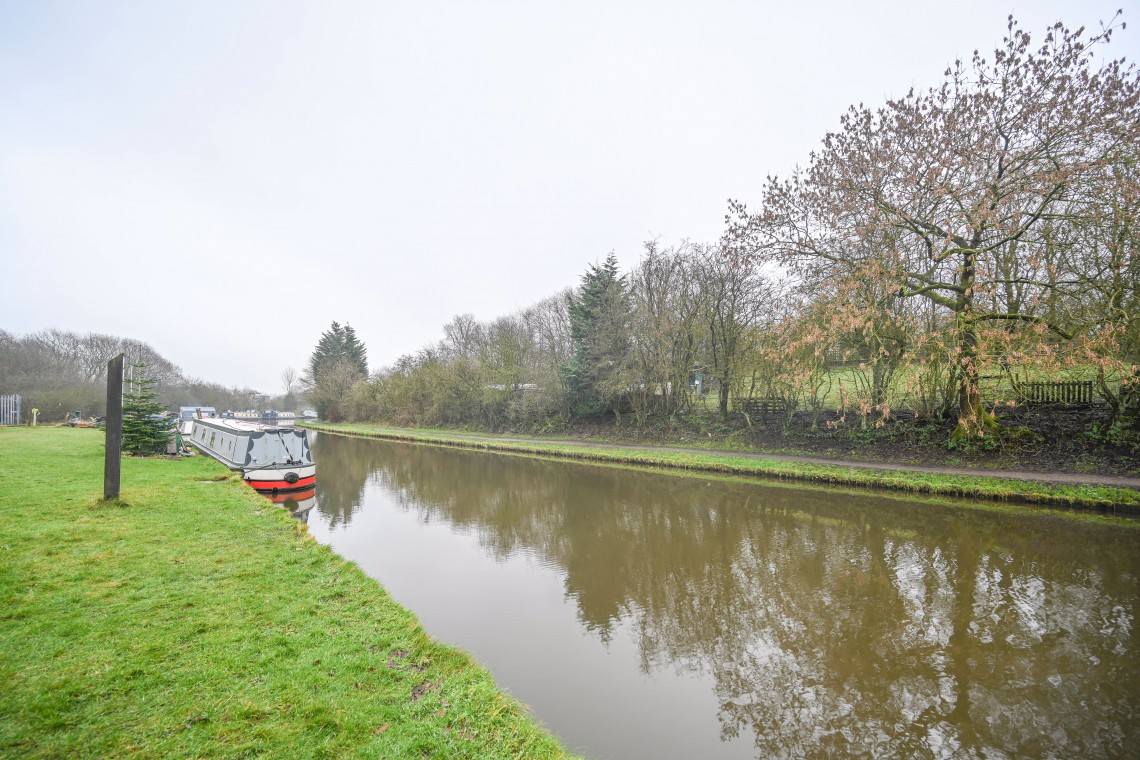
(914, 482)
(197, 619)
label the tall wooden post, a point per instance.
(112, 457)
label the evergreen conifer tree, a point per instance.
(145, 431)
(337, 363)
(337, 344)
(354, 350)
(599, 331)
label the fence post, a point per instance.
(10, 410)
(112, 456)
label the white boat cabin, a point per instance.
(241, 445)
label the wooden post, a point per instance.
(112, 456)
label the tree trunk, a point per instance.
(876, 385)
(973, 422)
(722, 395)
(969, 395)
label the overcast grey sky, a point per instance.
(224, 179)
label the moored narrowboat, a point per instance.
(267, 417)
(270, 458)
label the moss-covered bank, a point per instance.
(196, 619)
(912, 481)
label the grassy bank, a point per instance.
(1000, 489)
(197, 619)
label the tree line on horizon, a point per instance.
(59, 372)
(984, 228)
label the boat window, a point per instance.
(212, 436)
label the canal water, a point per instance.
(649, 615)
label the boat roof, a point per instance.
(242, 426)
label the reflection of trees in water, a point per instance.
(344, 466)
(829, 625)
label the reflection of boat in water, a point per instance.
(292, 498)
(299, 503)
(272, 459)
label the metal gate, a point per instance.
(9, 410)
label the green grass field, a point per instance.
(197, 619)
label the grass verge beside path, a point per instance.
(939, 484)
(197, 619)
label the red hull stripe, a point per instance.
(283, 485)
(279, 497)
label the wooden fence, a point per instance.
(9, 410)
(754, 407)
(1074, 392)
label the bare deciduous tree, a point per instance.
(668, 328)
(947, 194)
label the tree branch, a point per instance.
(1024, 318)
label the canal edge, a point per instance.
(1116, 501)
